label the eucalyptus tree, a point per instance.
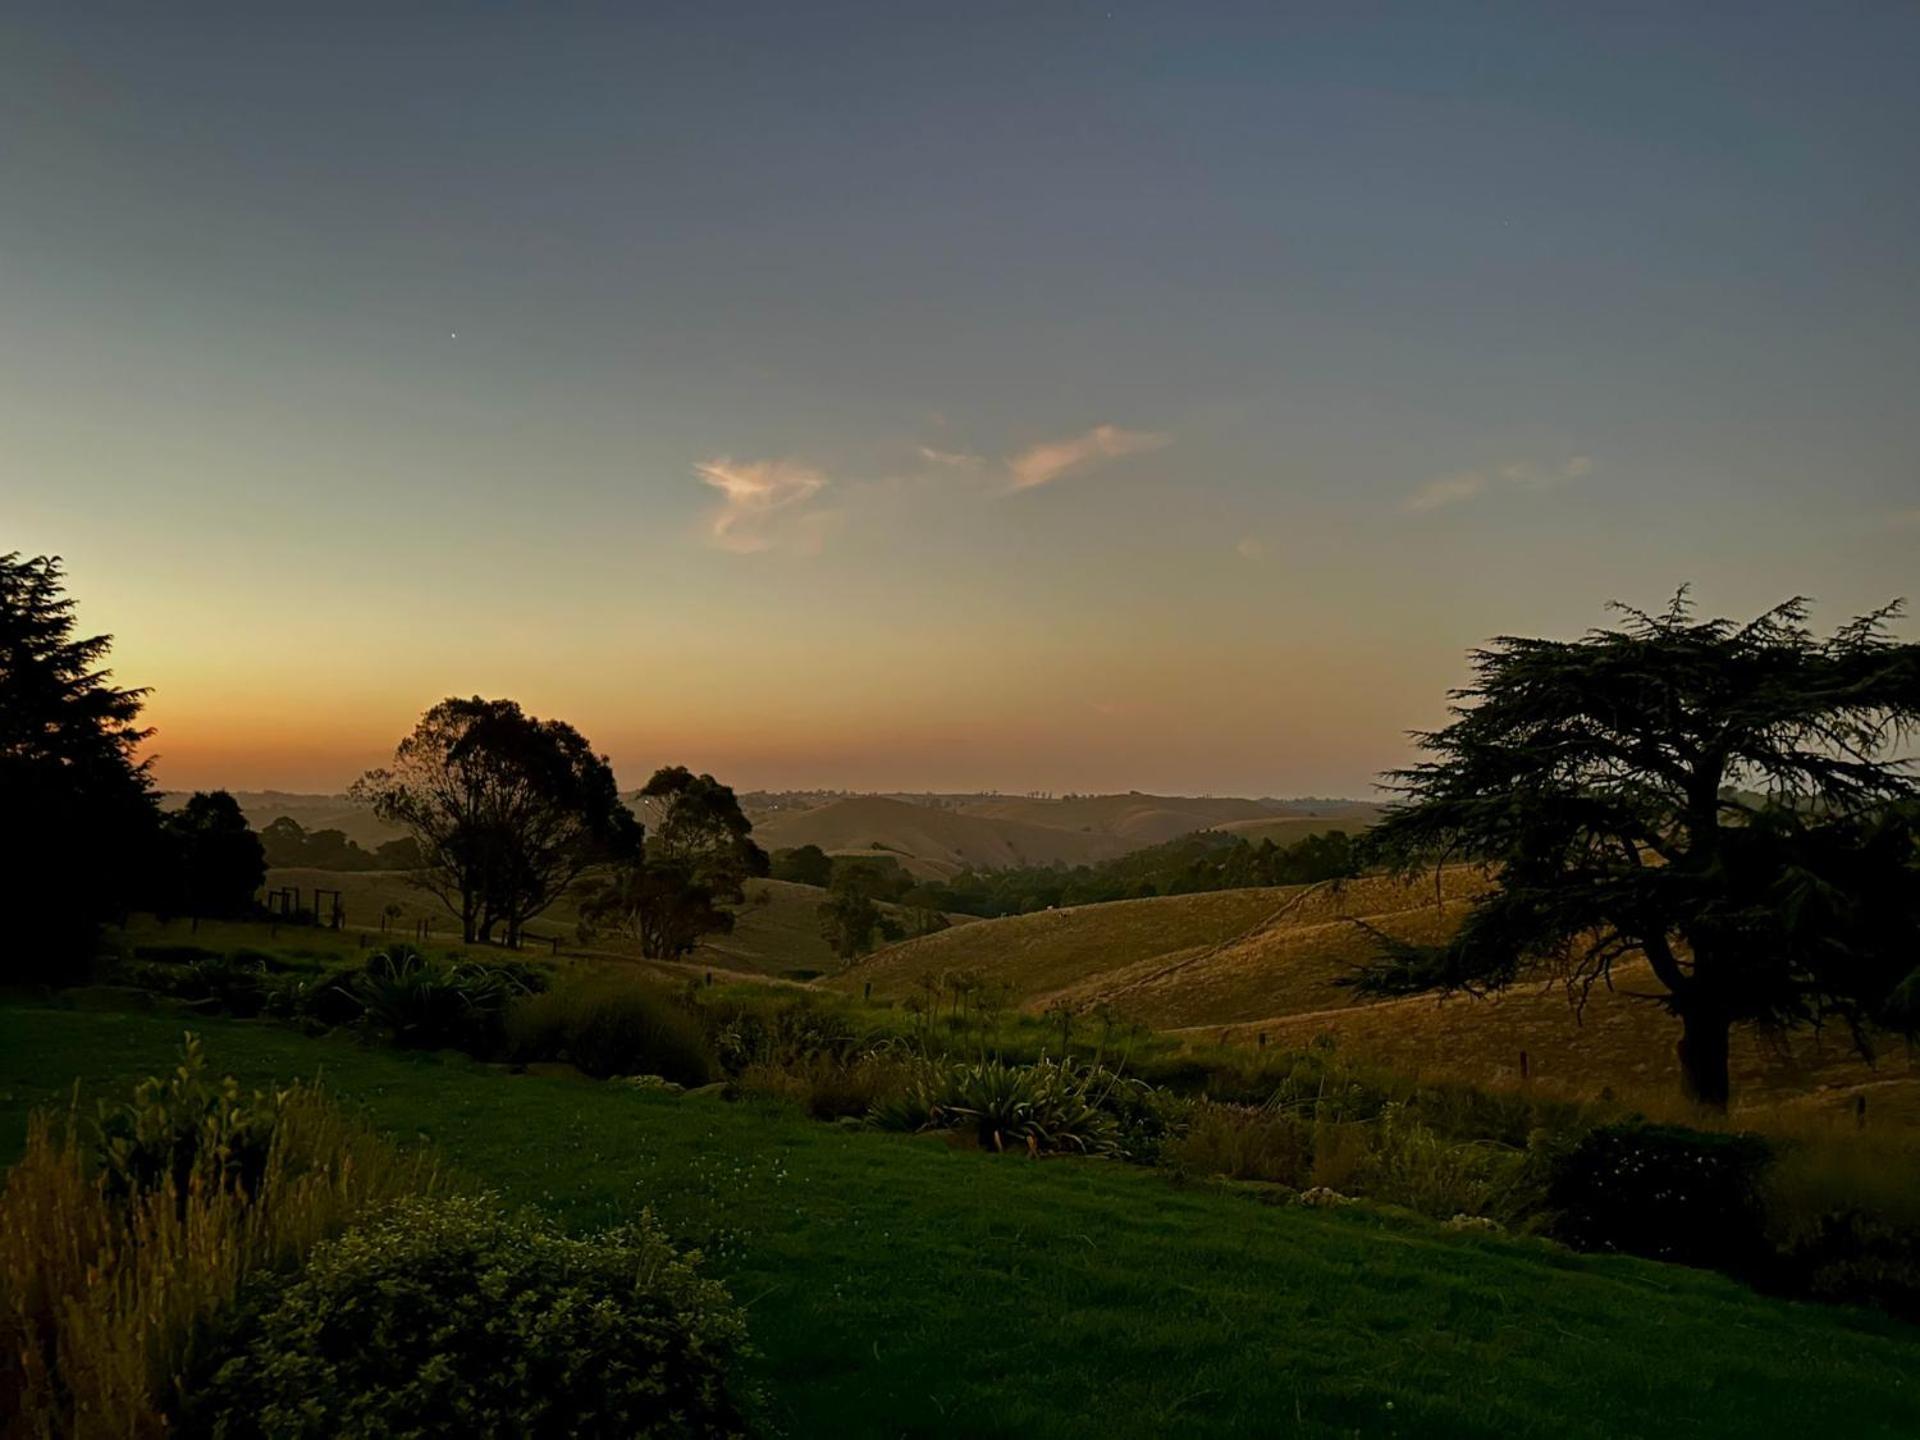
(508, 811)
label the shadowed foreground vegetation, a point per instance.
(898, 1285)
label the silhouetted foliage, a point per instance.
(695, 863)
(215, 863)
(804, 865)
(703, 828)
(1728, 800)
(81, 811)
(288, 843)
(850, 917)
(508, 811)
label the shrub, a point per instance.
(433, 1005)
(1415, 1166)
(1050, 1107)
(611, 1028)
(444, 1318)
(105, 1294)
(236, 983)
(776, 1030)
(826, 1088)
(1688, 1196)
(1245, 1143)
(326, 1000)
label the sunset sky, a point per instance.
(950, 396)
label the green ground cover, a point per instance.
(898, 1286)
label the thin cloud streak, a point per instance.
(1046, 462)
(1461, 486)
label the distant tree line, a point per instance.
(288, 843)
(1203, 861)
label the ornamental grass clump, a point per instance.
(118, 1252)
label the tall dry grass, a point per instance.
(105, 1301)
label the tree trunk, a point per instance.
(1703, 1058)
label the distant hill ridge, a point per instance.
(932, 835)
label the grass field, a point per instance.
(899, 1287)
(776, 932)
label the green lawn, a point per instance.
(898, 1287)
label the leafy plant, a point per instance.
(446, 1318)
(182, 1124)
(426, 1004)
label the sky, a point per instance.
(931, 396)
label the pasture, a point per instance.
(901, 1286)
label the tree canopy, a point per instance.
(674, 889)
(1736, 802)
(216, 864)
(82, 807)
(508, 811)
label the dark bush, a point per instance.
(1855, 1258)
(612, 1028)
(1687, 1196)
(444, 1318)
(236, 984)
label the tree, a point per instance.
(702, 827)
(1729, 800)
(508, 811)
(849, 916)
(804, 865)
(218, 863)
(659, 903)
(82, 810)
(696, 862)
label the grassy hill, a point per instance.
(776, 932)
(929, 841)
(898, 1286)
(1240, 965)
(1139, 819)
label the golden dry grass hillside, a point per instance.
(1256, 967)
(1179, 960)
(932, 842)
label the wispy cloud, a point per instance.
(1046, 462)
(764, 505)
(776, 504)
(1443, 490)
(1460, 486)
(1251, 549)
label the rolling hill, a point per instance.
(1260, 966)
(1139, 819)
(933, 842)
